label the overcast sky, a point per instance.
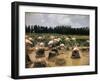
(45, 19)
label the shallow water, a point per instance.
(84, 60)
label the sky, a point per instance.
(46, 19)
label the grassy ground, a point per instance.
(59, 35)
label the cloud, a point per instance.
(45, 19)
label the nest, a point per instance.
(40, 64)
(40, 53)
(60, 61)
(52, 54)
(75, 54)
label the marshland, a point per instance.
(56, 46)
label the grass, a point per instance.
(60, 35)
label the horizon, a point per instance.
(55, 26)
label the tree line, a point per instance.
(57, 29)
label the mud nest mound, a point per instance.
(60, 61)
(40, 53)
(75, 54)
(40, 64)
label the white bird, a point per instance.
(30, 38)
(75, 49)
(40, 37)
(87, 41)
(73, 38)
(55, 40)
(62, 45)
(41, 44)
(26, 36)
(28, 41)
(52, 37)
(50, 42)
(67, 39)
(58, 39)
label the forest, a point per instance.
(63, 29)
